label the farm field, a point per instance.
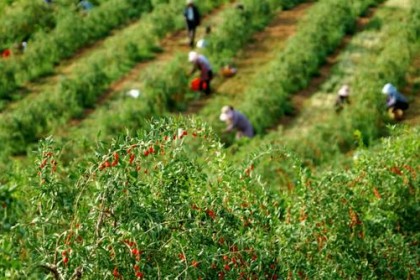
(113, 167)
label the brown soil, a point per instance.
(47, 84)
(298, 99)
(65, 67)
(173, 43)
(264, 46)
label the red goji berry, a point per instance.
(194, 263)
(132, 156)
(116, 159)
(139, 274)
(211, 214)
(43, 164)
(115, 272)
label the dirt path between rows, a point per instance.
(256, 55)
(65, 68)
(299, 98)
(47, 83)
(172, 44)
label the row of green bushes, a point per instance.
(22, 19)
(26, 18)
(360, 223)
(292, 69)
(48, 49)
(144, 207)
(37, 116)
(163, 88)
(364, 120)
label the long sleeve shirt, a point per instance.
(204, 66)
(241, 123)
(394, 96)
(192, 15)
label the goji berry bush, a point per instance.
(145, 207)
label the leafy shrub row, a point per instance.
(22, 19)
(48, 49)
(36, 116)
(163, 88)
(144, 207)
(321, 32)
(367, 115)
(360, 223)
(361, 123)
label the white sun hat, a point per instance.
(190, 2)
(192, 56)
(388, 88)
(344, 91)
(134, 93)
(226, 114)
(201, 44)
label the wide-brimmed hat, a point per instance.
(192, 56)
(227, 113)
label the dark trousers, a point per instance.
(399, 105)
(206, 89)
(191, 27)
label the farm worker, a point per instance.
(342, 98)
(192, 18)
(235, 120)
(396, 102)
(201, 63)
(203, 42)
(86, 5)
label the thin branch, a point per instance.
(78, 272)
(53, 270)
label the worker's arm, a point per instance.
(229, 128)
(391, 100)
(195, 68)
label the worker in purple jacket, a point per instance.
(192, 18)
(201, 63)
(395, 102)
(235, 120)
